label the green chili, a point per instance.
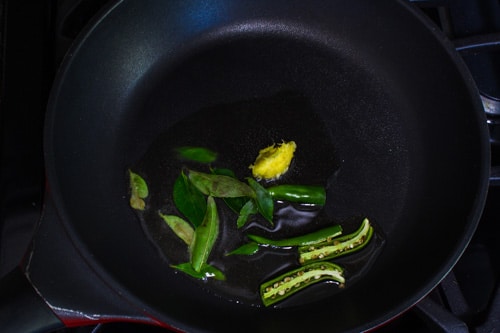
(315, 237)
(285, 285)
(337, 247)
(306, 194)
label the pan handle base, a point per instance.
(21, 308)
(75, 293)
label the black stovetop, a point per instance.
(34, 37)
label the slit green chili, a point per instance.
(315, 237)
(337, 247)
(306, 194)
(285, 285)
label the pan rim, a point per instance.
(475, 215)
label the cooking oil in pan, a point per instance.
(237, 131)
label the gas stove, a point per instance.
(34, 38)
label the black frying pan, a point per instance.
(395, 113)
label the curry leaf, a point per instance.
(247, 249)
(180, 227)
(205, 236)
(206, 271)
(237, 203)
(219, 186)
(223, 171)
(249, 208)
(189, 200)
(197, 154)
(139, 191)
(212, 272)
(263, 199)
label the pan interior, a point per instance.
(236, 131)
(389, 129)
(245, 93)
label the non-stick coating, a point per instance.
(401, 110)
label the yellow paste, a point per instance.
(273, 161)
